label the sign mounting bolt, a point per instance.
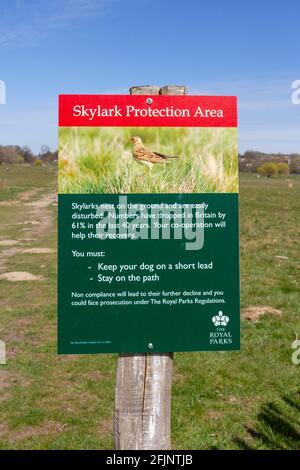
(150, 346)
(149, 100)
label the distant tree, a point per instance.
(267, 169)
(251, 160)
(47, 156)
(282, 168)
(295, 163)
(11, 154)
(45, 149)
(27, 154)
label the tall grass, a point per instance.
(99, 160)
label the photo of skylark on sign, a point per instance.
(148, 160)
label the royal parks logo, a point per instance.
(220, 319)
(220, 335)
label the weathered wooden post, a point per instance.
(144, 381)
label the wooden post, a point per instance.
(173, 90)
(144, 381)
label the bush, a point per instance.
(268, 169)
(282, 168)
(37, 163)
(10, 154)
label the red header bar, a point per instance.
(148, 111)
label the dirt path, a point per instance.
(37, 220)
(40, 212)
(22, 198)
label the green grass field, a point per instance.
(99, 160)
(240, 400)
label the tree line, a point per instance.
(253, 161)
(10, 154)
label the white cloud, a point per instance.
(25, 23)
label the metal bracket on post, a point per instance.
(142, 419)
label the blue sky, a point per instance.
(250, 49)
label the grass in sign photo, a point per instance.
(148, 160)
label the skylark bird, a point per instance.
(146, 157)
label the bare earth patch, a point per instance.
(49, 428)
(179, 378)
(15, 276)
(3, 429)
(5, 383)
(253, 313)
(39, 211)
(8, 242)
(4, 379)
(4, 254)
(16, 335)
(27, 195)
(28, 239)
(38, 219)
(29, 222)
(44, 201)
(234, 400)
(215, 414)
(22, 198)
(39, 250)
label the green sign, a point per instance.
(148, 225)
